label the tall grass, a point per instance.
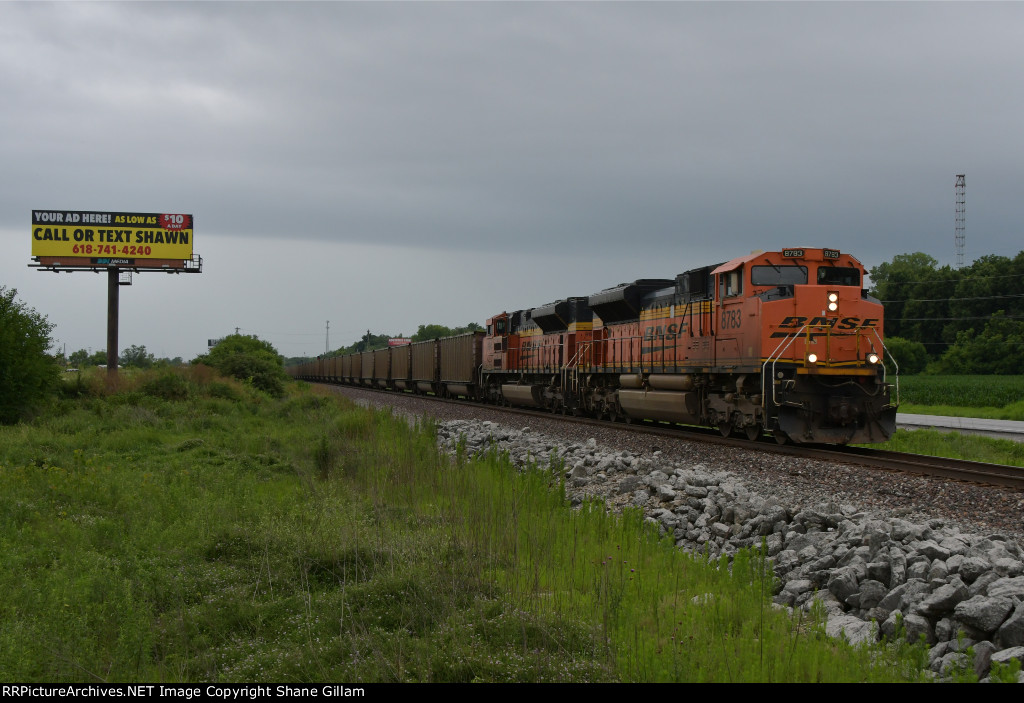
(228, 536)
(956, 445)
(989, 397)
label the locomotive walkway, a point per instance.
(1001, 429)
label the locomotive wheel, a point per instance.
(753, 432)
(725, 427)
(780, 437)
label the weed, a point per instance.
(147, 538)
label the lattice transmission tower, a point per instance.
(961, 213)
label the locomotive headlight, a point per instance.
(812, 358)
(872, 358)
(833, 302)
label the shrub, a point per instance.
(28, 375)
(911, 356)
(167, 385)
(248, 359)
(997, 349)
(219, 389)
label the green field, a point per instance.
(993, 397)
(990, 397)
(188, 528)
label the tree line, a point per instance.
(134, 356)
(30, 375)
(939, 319)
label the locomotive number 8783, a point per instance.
(786, 342)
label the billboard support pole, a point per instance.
(113, 295)
(69, 240)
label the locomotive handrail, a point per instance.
(776, 355)
(772, 359)
(573, 367)
(896, 365)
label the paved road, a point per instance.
(1003, 429)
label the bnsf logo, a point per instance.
(668, 331)
(846, 323)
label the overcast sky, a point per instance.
(385, 165)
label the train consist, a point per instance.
(786, 342)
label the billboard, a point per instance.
(135, 235)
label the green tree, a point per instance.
(98, 358)
(910, 356)
(369, 342)
(425, 332)
(28, 375)
(249, 359)
(137, 357)
(991, 283)
(916, 295)
(79, 358)
(998, 349)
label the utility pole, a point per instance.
(327, 342)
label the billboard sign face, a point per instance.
(135, 235)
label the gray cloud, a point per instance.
(630, 133)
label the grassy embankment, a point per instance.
(992, 397)
(188, 528)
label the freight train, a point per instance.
(786, 343)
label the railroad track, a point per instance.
(939, 467)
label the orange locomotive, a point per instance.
(786, 342)
(783, 342)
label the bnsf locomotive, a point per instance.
(787, 343)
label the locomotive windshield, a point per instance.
(778, 275)
(838, 276)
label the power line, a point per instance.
(282, 334)
(944, 300)
(950, 280)
(955, 319)
(950, 344)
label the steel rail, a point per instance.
(920, 464)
